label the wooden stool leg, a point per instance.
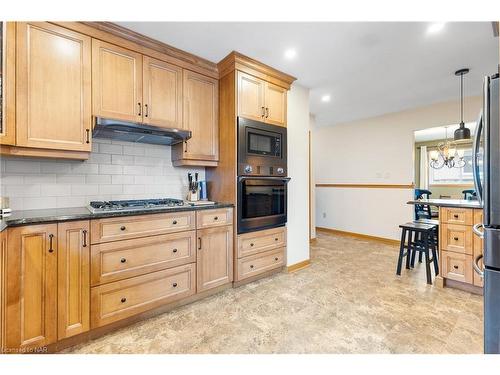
(435, 260)
(401, 252)
(414, 249)
(420, 253)
(426, 246)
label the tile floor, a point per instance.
(348, 301)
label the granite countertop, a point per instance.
(82, 213)
(459, 203)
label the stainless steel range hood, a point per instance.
(138, 132)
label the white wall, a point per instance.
(115, 170)
(377, 150)
(298, 170)
(312, 125)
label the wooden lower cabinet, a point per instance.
(214, 257)
(31, 293)
(264, 240)
(3, 255)
(259, 263)
(122, 299)
(73, 278)
(456, 266)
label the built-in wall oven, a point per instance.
(262, 171)
(261, 202)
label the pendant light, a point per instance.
(462, 132)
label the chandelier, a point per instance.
(447, 154)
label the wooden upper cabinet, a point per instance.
(251, 103)
(73, 278)
(260, 100)
(53, 92)
(275, 97)
(31, 293)
(162, 93)
(116, 82)
(214, 257)
(7, 83)
(201, 117)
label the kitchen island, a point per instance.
(458, 245)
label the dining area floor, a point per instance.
(349, 300)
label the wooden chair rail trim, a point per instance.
(388, 241)
(126, 38)
(369, 186)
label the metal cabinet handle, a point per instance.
(185, 146)
(251, 244)
(174, 222)
(140, 108)
(263, 111)
(276, 259)
(455, 238)
(146, 110)
(216, 218)
(51, 239)
(456, 267)
(123, 227)
(276, 239)
(251, 265)
(476, 267)
(199, 243)
(174, 250)
(123, 260)
(267, 112)
(123, 300)
(478, 232)
(84, 238)
(455, 216)
(88, 135)
(174, 285)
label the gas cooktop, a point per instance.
(134, 205)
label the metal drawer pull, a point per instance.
(199, 243)
(456, 267)
(174, 222)
(276, 239)
(251, 244)
(123, 300)
(263, 111)
(216, 218)
(88, 135)
(123, 227)
(51, 238)
(139, 105)
(251, 265)
(174, 285)
(123, 260)
(478, 232)
(84, 238)
(147, 111)
(267, 112)
(276, 259)
(476, 267)
(455, 216)
(455, 238)
(174, 250)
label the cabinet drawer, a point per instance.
(462, 216)
(257, 242)
(259, 263)
(119, 260)
(214, 218)
(121, 228)
(457, 266)
(122, 299)
(457, 238)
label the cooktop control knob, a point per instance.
(280, 170)
(248, 169)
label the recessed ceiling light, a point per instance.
(325, 98)
(436, 27)
(290, 53)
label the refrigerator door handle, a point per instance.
(475, 264)
(475, 155)
(478, 232)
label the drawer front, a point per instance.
(259, 263)
(119, 260)
(214, 218)
(456, 238)
(462, 216)
(457, 266)
(122, 299)
(257, 242)
(122, 228)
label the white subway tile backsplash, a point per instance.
(115, 170)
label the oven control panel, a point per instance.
(261, 170)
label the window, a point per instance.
(453, 176)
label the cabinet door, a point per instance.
(31, 294)
(162, 93)
(73, 278)
(7, 83)
(215, 257)
(251, 97)
(201, 116)
(275, 104)
(3, 255)
(53, 108)
(116, 82)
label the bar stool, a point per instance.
(435, 238)
(420, 238)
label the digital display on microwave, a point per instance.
(263, 144)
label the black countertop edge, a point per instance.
(82, 213)
(454, 203)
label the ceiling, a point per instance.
(439, 133)
(368, 68)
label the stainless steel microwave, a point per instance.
(261, 149)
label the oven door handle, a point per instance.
(243, 178)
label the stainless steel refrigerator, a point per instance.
(486, 167)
